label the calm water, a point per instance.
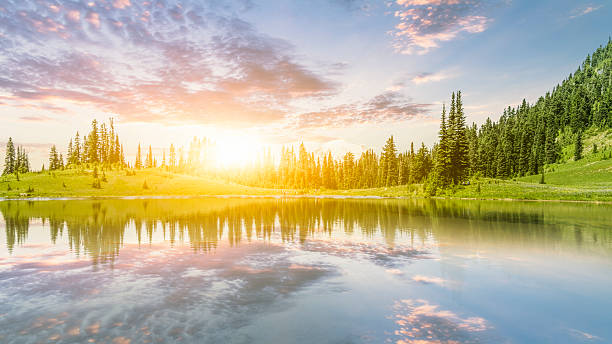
(304, 271)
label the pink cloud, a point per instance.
(431, 77)
(419, 321)
(74, 16)
(423, 24)
(121, 4)
(94, 19)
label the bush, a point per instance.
(433, 184)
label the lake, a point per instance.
(266, 270)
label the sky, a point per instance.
(338, 75)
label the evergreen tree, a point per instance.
(9, 158)
(76, 150)
(459, 148)
(54, 162)
(93, 144)
(138, 162)
(389, 156)
(578, 147)
(443, 163)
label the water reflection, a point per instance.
(303, 270)
(98, 228)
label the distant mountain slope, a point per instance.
(531, 135)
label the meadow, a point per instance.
(589, 179)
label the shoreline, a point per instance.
(276, 196)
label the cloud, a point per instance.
(429, 280)
(579, 12)
(35, 118)
(419, 321)
(423, 24)
(121, 3)
(388, 106)
(153, 61)
(431, 77)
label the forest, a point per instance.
(522, 142)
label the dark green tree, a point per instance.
(9, 158)
(578, 147)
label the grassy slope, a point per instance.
(588, 179)
(159, 183)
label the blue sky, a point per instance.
(335, 74)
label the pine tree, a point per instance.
(151, 158)
(9, 158)
(70, 153)
(93, 143)
(459, 148)
(76, 151)
(443, 163)
(390, 171)
(148, 162)
(53, 159)
(578, 147)
(138, 162)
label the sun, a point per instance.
(237, 150)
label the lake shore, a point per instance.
(157, 183)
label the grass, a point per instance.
(588, 179)
(149, 182)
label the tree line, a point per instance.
(300, 169)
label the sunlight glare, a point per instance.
(237, 150)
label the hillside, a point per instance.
(75, 183)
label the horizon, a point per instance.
(241, 73)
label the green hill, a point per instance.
(147, 182)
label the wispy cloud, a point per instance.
(389, 106)
(584, 10)
(423, 24)
(170, 62)
(152, 61)
(423, 78)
